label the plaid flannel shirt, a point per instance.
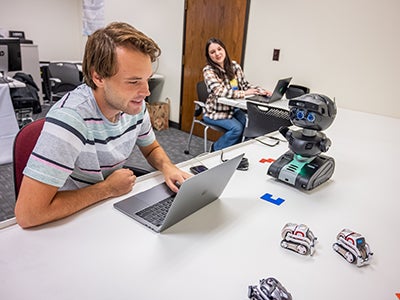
(221, 87)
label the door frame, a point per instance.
(186, 126)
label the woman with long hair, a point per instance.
(225, 78)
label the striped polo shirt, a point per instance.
(78, 146)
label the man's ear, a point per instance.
(97, 79)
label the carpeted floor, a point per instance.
(173, 141)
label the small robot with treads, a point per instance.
(298, 238)
(269, 289)
(352, 246)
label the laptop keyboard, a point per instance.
(155, 214)
(260, 98)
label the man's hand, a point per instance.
(174, 177)
(120, 182)
(157, 158)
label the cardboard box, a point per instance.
(159, 114)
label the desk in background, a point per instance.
(219, 251)
(241, 103)
(8, 122)
(30, 65)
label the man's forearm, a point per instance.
(158, 158)
(47, 204)
(32, 210)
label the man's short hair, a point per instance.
(100, 55)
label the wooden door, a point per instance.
(223, 19)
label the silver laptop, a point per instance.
(159, 208)
(279, 91)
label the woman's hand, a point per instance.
(263, 92)
(252, 92)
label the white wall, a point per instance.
(348, 50)
(54, 25)
(162, 20)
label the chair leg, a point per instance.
(52, 99)
(247, 125)
(49, 101)
(205, 138)
(187, 150)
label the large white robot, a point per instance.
(303, 166)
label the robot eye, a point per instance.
(310, 117)
(300, 114)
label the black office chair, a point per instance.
(199, 111)
(46, 84)
(25, 99)
(64, 77)
(23, 108)
(263, 119)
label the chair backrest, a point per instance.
(202, 92)
(202, 95)
(67, 74)
(46, 84)
(263, 119)
(294, 91)
(24, 143)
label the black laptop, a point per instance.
(279, 91)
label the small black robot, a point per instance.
(269, 289)
(303, 166)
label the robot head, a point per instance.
(312, 111)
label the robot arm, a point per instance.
(305, 145)
(284, 130)
(324, 144)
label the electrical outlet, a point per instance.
(275, 55)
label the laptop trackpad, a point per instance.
(155, 194)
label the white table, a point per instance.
(217, 252)
(241, 102)
(8, 125)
